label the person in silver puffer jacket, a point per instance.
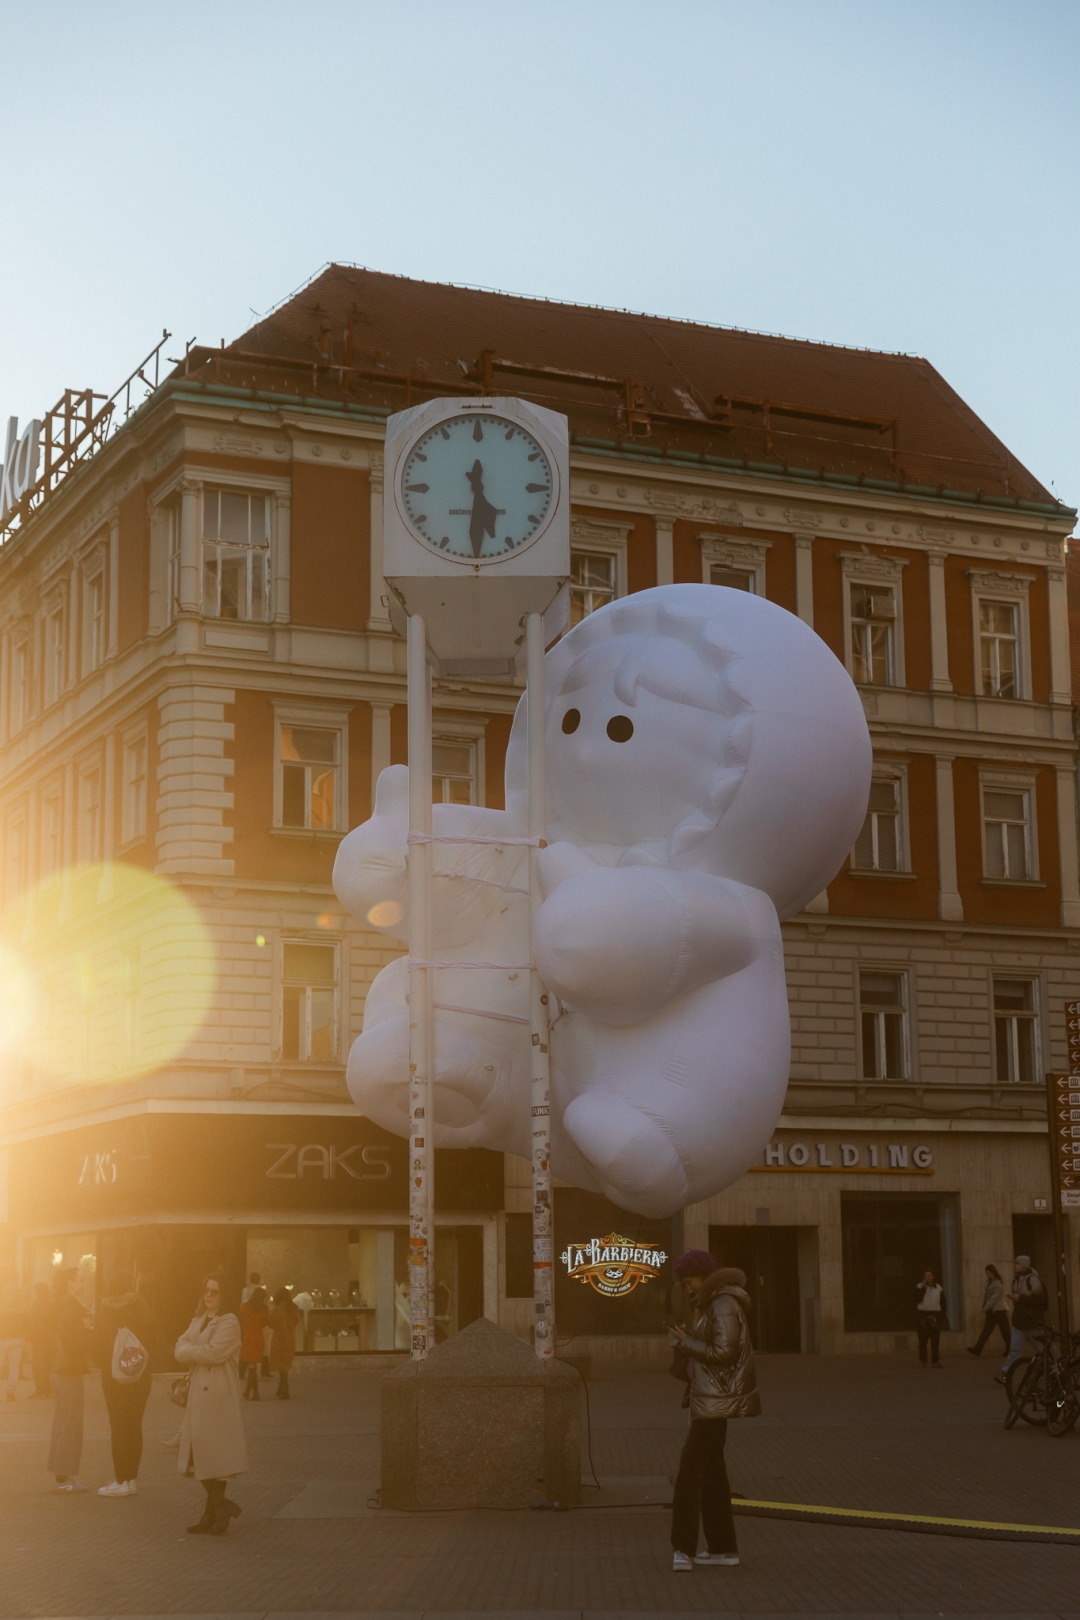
(722, 1385)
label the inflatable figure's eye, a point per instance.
(571, 720)
(620, 728)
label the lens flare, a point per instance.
(117, 971)
(385, 914)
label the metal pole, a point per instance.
(421, 1225)
(543, 1289)
(1057, 1111)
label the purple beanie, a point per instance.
(695, 1263)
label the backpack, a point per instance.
(130, 1358)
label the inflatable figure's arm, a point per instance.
(620, 943)
(369, 870)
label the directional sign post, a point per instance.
(1063, 1128)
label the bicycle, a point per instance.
(1044, 1389)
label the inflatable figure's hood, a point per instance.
(746, 749)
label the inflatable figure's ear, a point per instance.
(392, 792)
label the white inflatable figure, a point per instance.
(708, 766)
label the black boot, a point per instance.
(224, 1510)
(205, 1523)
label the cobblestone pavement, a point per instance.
(870, 1432)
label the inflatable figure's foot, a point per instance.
(631, 1156)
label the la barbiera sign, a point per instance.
(612, 1265)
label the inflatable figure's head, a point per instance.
(694, 726)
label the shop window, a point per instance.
(309, 785)
(236, 555)
(888, 1241)
(1016, 1032)
(519, 1256)
(880, 845)
(453, 771)
(1007, 832)
(593, 582)
(873, 634)
(883, 1025)
(133, 807)
(999, 648)
(309, 1002)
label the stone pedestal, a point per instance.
(481, 1423)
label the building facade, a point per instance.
(199, 686)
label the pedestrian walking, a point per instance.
(74, 1345)
(995, 1313)
(254, 1317)
(41, 1327)
(13, 1329)
(1029, 1309)
(212, 1441)
(722, 1385)
(931, 1310)
(283, 1319)
(124, 1331)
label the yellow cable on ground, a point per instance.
(909, 1518)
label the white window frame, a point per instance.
(454, 729)
(989, 585)
(52, 793)
(17, 828)
(95, 630)
(133, 815)
(741, 556)
(21, 706)
(897, 773)
(1037, 982)
(89, 770)
(54, 670)
(996, 781)
(327, 942)
(320, 719)
(878, 571)
(607, 538)
(249, 551)
(899, 971)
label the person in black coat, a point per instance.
(931, 1313)
(125, 1396)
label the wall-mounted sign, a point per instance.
(859, 1158)
(20, 467)
(612, 1265)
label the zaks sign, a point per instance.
(20, 469)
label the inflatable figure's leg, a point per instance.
(630, 1155)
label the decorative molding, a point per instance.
(935, 537)
(797, 519)
(701, 508)
(238, 444)
(987, 579)
(871, 565)
(598, 531)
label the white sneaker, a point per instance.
(716, 1558)
(680, 1562)
(119, 1487)
(73, 1486)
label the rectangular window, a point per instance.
(309, 762)
(888, 1241)
(52, 832)
(54, 655)
(133, 809)
(736, 579)
(873, 623)
(453, 771)
(999, 638)
(20, 686)
(1016, 1033)
(236, 555)
(172, 520)
(1007, 822)
(883, 1021)
(878, 847)
(90, 815)
(94, 623)
(16, 874)
(592, 582)
(309, 1002)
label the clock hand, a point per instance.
(483, 513)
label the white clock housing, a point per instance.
(476, 527)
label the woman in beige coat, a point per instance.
(212, 1444)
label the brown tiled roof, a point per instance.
(661, 387)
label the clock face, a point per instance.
(477, 486)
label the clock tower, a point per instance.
(477, 527)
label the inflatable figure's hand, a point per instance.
(369, 871)
(620, 943)
(558, 862)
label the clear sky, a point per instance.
(893, 174)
